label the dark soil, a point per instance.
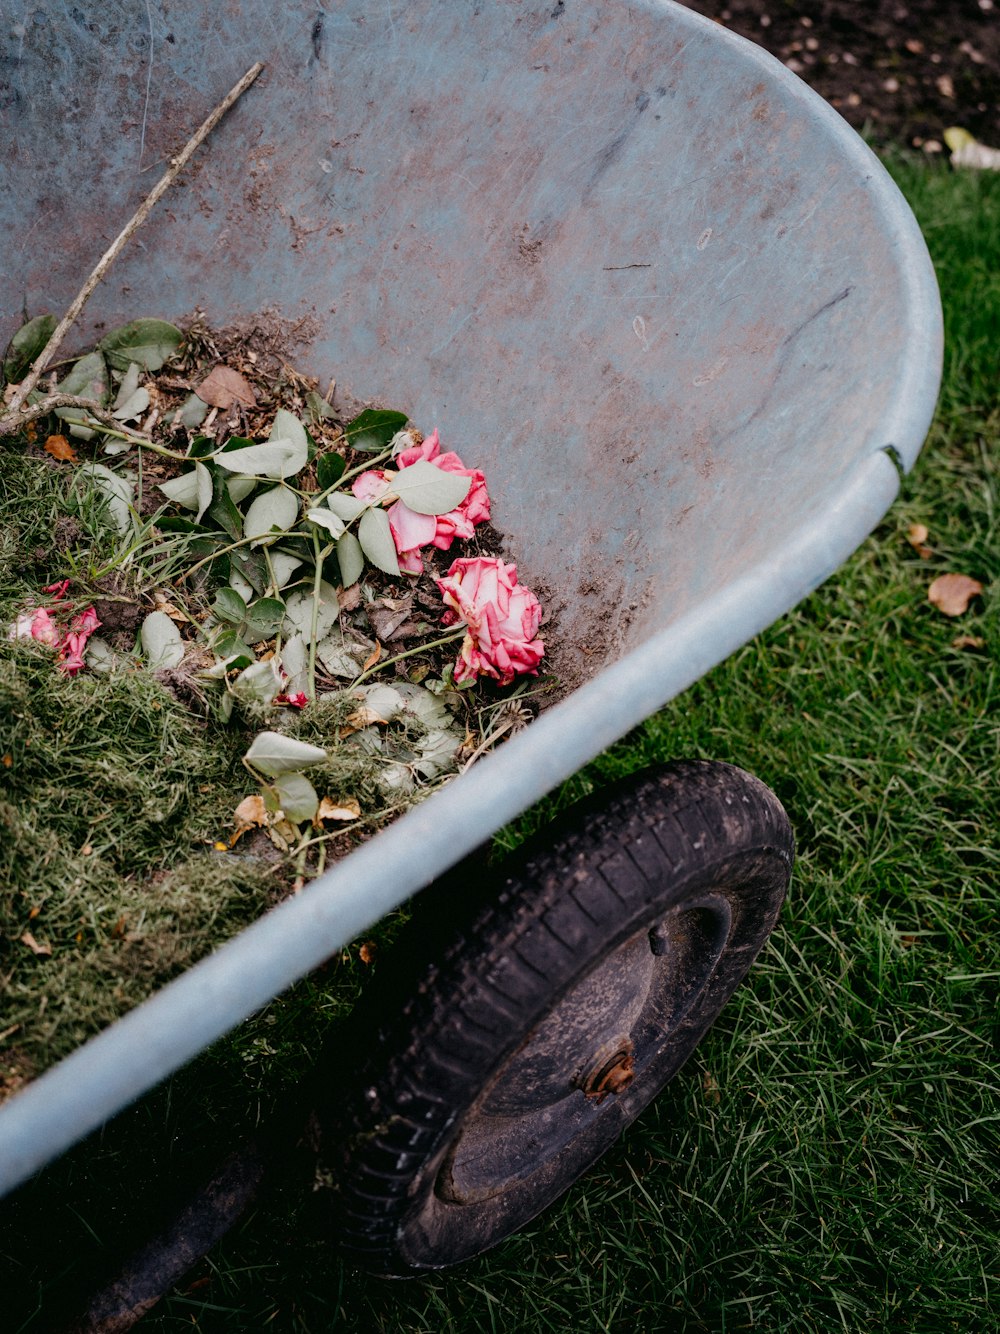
(901, 71)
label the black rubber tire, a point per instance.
(501, 1063)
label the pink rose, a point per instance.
(297, 701)
(75, 640)
(475, 508)
(371, 486)
(501, 616)
(411, 532)
(43, 627)
(38, 624)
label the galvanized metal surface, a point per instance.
(626, 263)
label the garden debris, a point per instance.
(917, 535)
(43, 951)
(952, 593)
(223, 387)
(270, 582)
(60, 448)
(968, 152)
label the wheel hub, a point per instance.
(611, 1071)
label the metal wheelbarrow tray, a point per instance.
(625, 261)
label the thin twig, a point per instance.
(111, 424)
(13, 419)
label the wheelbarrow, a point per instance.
(681, 317)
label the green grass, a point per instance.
(829, 1158)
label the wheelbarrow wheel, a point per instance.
(487, 1077)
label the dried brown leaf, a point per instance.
(370, 661)
(37, 947)
(60, 448)
(248, 813)
(917, 535)
(367, 951)
(349, 598)
(223, 387)
(362, 716)
(712, 1092)
(968, 641)
(162, 603)
(952, 593)
(338, 810)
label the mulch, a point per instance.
(900, 71)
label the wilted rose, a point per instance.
(411, 531)
(39, 625)
(475, 508)
(75, 640)
(501, 616)
(371, 486)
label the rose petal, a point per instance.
(952, 593)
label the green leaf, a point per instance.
(26, 345)
(350, 558)
(88, 378)
(341, 657)
(264, 619)
(375, 537)
(182, 490)
(330, 469)
(295, 663)
(191, 413)
(277, 459)
(326, 520)
(149, 342)
(252, 567)
(277, 508)
(299, 611)
(297, 797)
(201, 447)
(274, 754)
(286, 426)
(161, 641)
(132, 399)
(346, 507)
(223, 512)
(240, 585)
(229, 606)
(319, 408)
(371, 430)
(116, 491)
(173, 523)
(240, 487)
(284, 565)
(426, 489)
(436, 752)
(232, 649)
(191, 490)
(258, 683)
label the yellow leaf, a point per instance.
(344, 810)
(362, 716)
(163, 603)
(60, 448)
(251, 810)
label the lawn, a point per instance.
(828, 1160)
